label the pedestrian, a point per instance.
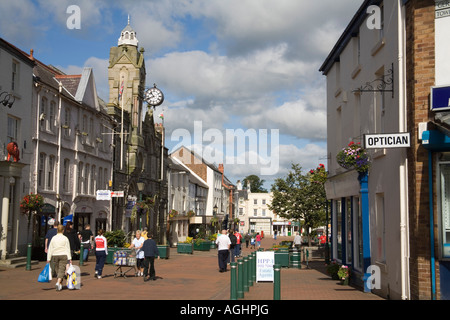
(59, 255)
(223, 243)
(137, 244)
(252, 242)
(144, 233)
(86, 239)
(150, 252)
(101, 251)
(247, 239)
(297, 241)
(275, 234)
(233, 240)
(237, 248)
(258, 240)
(74, 241)
(51, 232)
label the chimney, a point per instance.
(31, 54)
(221, 168)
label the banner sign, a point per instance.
(390, 140)
(103, 195)
(440, 98)
(264, 265)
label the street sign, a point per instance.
(117, 194)
(390, 140)
(103, 195)
(440, 98)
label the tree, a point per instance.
(301, 197)
(256, 184)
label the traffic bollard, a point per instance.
(81, 255)
(276, 282)
(254, 267)
(240, 288)
(245, 274)
(28, 266)
(249, 270)
(233, 289)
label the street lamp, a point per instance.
(215, 210)
(140, 186)
(8, 100)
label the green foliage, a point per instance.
(301, 197)
(115, 238)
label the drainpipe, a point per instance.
(364, 190)
(432, 259)
(403, 170)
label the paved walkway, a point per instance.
(181, 277)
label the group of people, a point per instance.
(229, 246)
(61, 242)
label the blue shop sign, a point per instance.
(440, 98)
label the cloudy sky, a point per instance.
(231, 70)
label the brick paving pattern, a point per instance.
(181, 277)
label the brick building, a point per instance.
(388, 73)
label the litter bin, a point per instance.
(294, 258)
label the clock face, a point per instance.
(154, 96)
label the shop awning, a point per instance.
(436, 141)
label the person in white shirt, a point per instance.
(223, 243)
(58, 255)
(137, 244)
(101, 252)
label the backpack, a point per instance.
(233, 240)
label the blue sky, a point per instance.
(227, 64)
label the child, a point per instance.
(252, 243)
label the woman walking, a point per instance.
(58, 255)
(101, 251)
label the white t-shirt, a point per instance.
(137, 243)
(223, 242)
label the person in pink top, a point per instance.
(258, 241)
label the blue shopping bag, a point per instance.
(45, 275)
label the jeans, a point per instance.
(101, 258)
(85, 253)
(223, 257)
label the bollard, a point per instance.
(28, 266)
(245, 274)
(240, 288)
(307, 259)
(254, 267)
(233, 289)
(81, 255)
(249, 270)
(276, 282)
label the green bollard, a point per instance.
(240, 288)
(254, 267)
(276, 282)
(233, 289)
(245, 274)
(81, 255)
(249, 270)
(28, 266)
(307, 259)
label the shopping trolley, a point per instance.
(123, 259)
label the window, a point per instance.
(255, 201)
(80, 185)
(50, 171)
(43, 113)
(255, 212)
(338, 211)
(100, 178)
(93, 185)
(445, 209)
(241, 211)
(357, 235)
(348, 230)
(66, 125)
(381, 228)
(51, 116)
(66, 168)
(263, 212)
(13, 129)
(263, 201)
(41, 170)
(87, 182)
(15, 76)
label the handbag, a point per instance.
(46, 274)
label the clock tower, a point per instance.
(138, 143)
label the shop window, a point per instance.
(445, 209)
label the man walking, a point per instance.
(223, 243)
(150, 252)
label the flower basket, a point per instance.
(173, 213)
(333, 269)
(344, 274)
(354, 156)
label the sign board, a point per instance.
(442, 9)
(264, 265)
(103, 195)
(117, 194)
(389, 140)
(440, 98)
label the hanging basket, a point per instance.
(354, 157)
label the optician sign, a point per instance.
(390, 140)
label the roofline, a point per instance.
(12, 49)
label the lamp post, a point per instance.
(140, 186)
(8, 99)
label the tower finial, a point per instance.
(128, 18)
